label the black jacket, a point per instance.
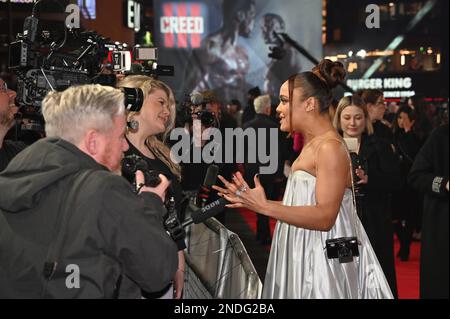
(384, 178)
(261, 121)
(382, 131)
(407, 146)
(109, 231)
(429, 175)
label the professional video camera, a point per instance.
(44, 61)
(145, 63)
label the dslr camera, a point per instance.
(133, 163)
(53, 60)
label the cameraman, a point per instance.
(157, 117)
(71, 228)
(8, 109)
(210, 116)
(376, 175)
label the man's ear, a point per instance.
(91, 142)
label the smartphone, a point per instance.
(352, 144)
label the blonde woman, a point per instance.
(151, 125)
(377, 176)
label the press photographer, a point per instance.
(205, 110)
(62, 206)
(145, 136)
(376, 175)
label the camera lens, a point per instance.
(207, 118)
(134, 99)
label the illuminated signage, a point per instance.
(176, 25)
(182, 24)
(381, 84)
(392, 87)
(133, 11)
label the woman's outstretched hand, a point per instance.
(240, 195)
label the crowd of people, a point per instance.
(62, 201)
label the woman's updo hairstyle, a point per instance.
(318, 84)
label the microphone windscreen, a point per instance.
(211, 176)
(209, 211)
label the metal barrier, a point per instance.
(218, 265)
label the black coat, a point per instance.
(429, 175)
(265, 122)
(406, 202)
(109, 231)
(249, 113)
(382, 168)
(382, 131)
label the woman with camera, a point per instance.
(150, 126)
(376, 175)
(319, 248)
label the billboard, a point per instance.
(224, 45)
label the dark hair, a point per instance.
(317, 84)
(255, 92)
(408, 111)
(370, 96)
(231, 7)
(237, 103)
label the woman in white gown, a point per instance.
(318, 203)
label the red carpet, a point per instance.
(407, 272)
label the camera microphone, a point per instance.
(205, 188)
(30, 28)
